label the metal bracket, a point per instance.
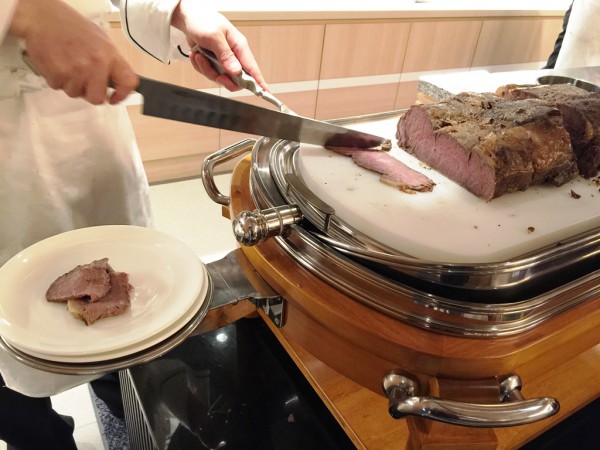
(274, 308)
(231, 285)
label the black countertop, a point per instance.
(233, 388)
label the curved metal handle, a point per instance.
(514, 410)
(220, 157)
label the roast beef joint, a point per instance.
(494, 144)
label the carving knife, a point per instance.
(170, 101)
(174, 102)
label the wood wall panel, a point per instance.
(355, 101)
(353, 50)
(407, 94)
(441, 45)
(516, 41)
(286, 52)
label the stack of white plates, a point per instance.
(170, 296)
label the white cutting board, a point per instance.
(448, 224)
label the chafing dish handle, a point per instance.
(514, 409)
(249, 228)
(220, 157)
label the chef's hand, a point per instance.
(211, 30)
(71, 52)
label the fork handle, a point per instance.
(244, 80)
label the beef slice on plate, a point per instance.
(116, 302)
(87, 281)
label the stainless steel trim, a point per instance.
(558, 79)
(482, 300)
(297, 190)
(139, 430)
(403, 401)
(478, 318)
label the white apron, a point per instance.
(581, 43)
(64, 164)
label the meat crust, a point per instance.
(581, 115)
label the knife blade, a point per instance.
(169, 101)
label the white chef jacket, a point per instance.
(67, 164)
(581, 43)
(147, 25)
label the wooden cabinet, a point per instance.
(329, 68)
(516, 41)
(360, 68)
(364, 49)
(286, 52)
(441, 45)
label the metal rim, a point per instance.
(558, 79)
(95, 368)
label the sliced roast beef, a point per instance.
(394, 172)
(386, 146)
(116, 302)
(88, 281)
(488, 145)
(581, 114)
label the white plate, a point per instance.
(129, 350)
(166, 276)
